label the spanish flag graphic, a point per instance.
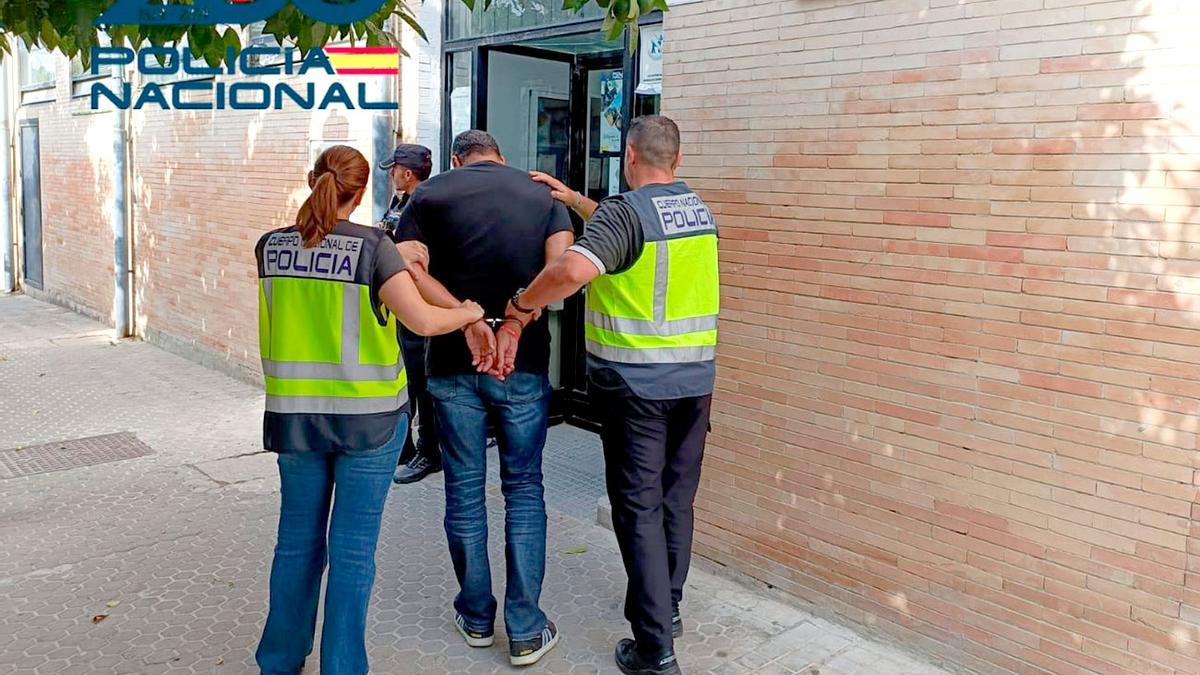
(364, 60)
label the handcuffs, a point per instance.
(495, 324)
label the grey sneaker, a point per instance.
(529, 652)
(474, 638)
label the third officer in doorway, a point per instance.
(650, 256)
(408, 167)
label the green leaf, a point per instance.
(615, 29)
(232, 39)
(413, 24)
(200, 39)
(320, 34)
(49, 36)
(575, 550)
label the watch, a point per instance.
(517, 305)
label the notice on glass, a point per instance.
(460, 110)
(650, 61)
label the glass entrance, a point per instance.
(557, 105)
(557, 102)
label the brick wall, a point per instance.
(421, 101)
(77, 196)
(206, 186)
(958, 387)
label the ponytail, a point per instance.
(319, 213)
(339, 176)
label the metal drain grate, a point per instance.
(71, 454)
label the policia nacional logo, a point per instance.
(335, 258)
(248, 93)
(684, 213)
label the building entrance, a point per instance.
(557, 99)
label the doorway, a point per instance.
(558, 99)
(557, 105)
(31, 204)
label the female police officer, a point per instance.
(336, 408)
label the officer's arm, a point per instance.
(400, 295)
(576, 201)
(431, 289)
(560, 279)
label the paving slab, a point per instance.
(159, 563)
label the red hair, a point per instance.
(339, 176)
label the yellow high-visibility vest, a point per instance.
(328, 347)
(663, 309)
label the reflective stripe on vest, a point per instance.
(355, 371)
(664, 308)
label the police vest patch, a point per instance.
(683, 214)
(335, 258)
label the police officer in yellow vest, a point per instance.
(329, 294)
(650, 256)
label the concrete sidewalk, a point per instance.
(159, 563)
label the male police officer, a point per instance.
(408, 167)
(651, 327)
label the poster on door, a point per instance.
(612, 93)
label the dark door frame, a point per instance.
(32, 126)
(570, 402)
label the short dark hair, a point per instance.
(472, 142)
(656, 138)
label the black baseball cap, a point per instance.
(410, 156)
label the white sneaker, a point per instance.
(529, 652)
(473, 638)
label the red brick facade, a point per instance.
(958, 387)
(958, 394)
(204, 185)
(77, 196)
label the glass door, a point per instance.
(598, 114)
(560, 105)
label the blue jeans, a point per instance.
(520, 407)
(357, 484)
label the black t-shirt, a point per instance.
(486, 227)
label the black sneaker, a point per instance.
(676, 622)
(474, 638)
(529, 652)
(416, 469)
(631, 662)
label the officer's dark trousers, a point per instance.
(413, 347)
(652, 454)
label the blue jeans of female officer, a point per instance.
(356, 482)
